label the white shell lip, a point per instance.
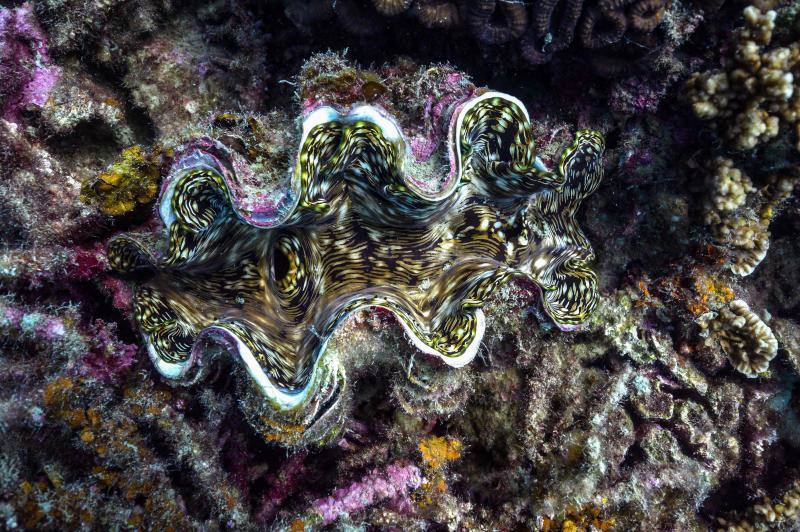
(193, 161)
(358, 113)
(289, 400)
(170, 370)
(458, 120)
(180, 371)
(285, 400)
(457, 361)
(196, 158)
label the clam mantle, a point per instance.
(357, 227)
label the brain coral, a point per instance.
(269, 281)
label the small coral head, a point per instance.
(359, 231)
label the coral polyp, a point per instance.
(270, 280)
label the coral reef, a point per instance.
(768, 514)
(537, 29)
(557, 24)
(393, 483)
(745, 338)
(27, 75)
(39, 199)
(754, 96)
(486, 31)
(128, 126)
(196, 71)
(101, 30)
(739, 215)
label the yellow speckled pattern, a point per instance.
(361, 233)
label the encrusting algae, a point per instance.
(131, 181)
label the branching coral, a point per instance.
(755, 95)
(732, 224)
(739, 215)
(729, 186)
(622, 434)
(767, 514)
(272, 284)
(745, 338)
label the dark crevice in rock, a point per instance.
(136, 118)
(181, 479)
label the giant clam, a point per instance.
(357, 227)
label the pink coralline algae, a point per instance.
(281, 485)
(636, 96)
(636, 157)
(95, 350)
(394, 482)
(26, 73)
(107, 356)
(33, 324)
(86, 263)
(52, 265)
(121, 293)
(452, 89)
(39, 196)
(257, 202)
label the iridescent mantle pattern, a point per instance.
(355, 230)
